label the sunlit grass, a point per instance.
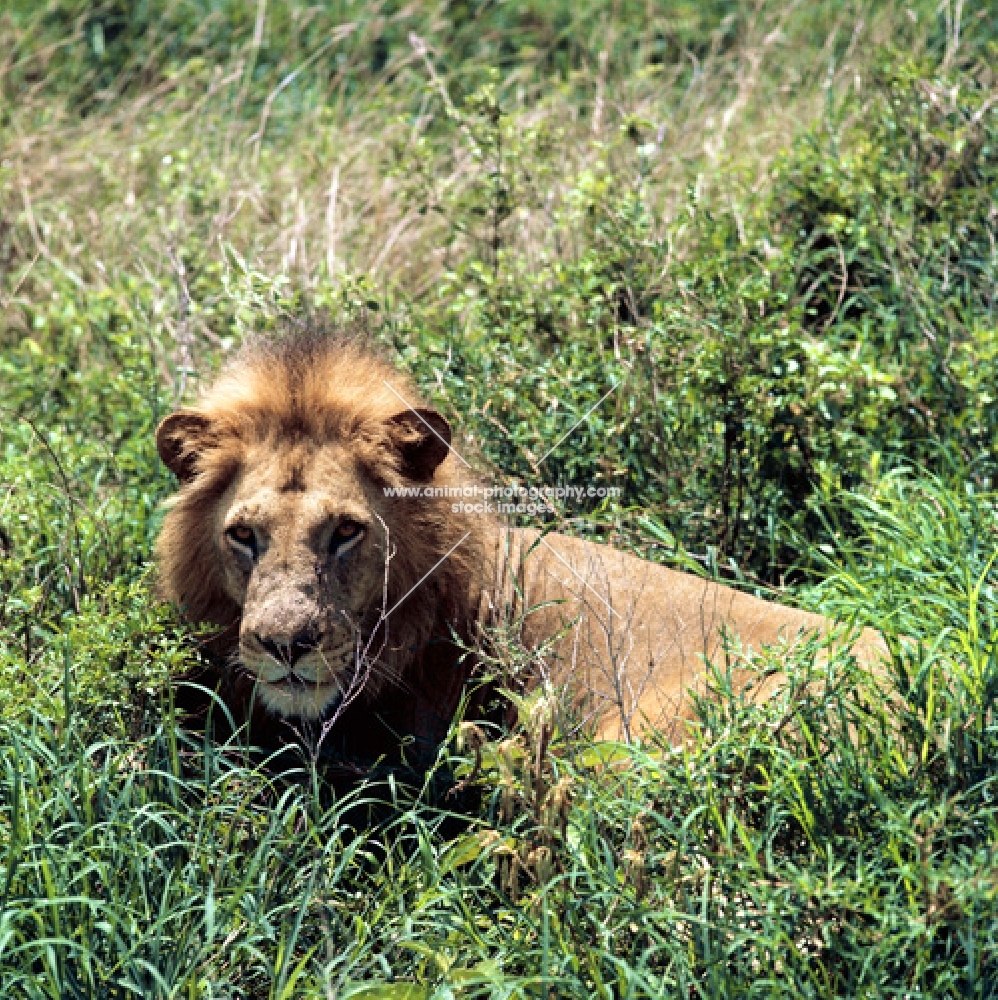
(773, 234)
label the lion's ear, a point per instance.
(180, 437)
(422, 437)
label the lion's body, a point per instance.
(636, 637)
(343, 608)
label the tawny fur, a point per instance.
(306, 427)
(316, 388)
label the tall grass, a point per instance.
(772, 226)
(332, 140)
(838, 841)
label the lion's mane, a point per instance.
(325, 386)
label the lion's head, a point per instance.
(283, 534)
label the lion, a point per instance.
(316, 529)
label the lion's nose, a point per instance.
(290, 651)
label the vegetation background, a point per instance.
(766, 231)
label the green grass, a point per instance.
(820, 846)
(773, 228)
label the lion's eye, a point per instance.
(344, 533)
(243, 536)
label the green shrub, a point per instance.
(835, 325)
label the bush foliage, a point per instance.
(738, 260)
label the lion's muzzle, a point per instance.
(299, 671)
(289, 651)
